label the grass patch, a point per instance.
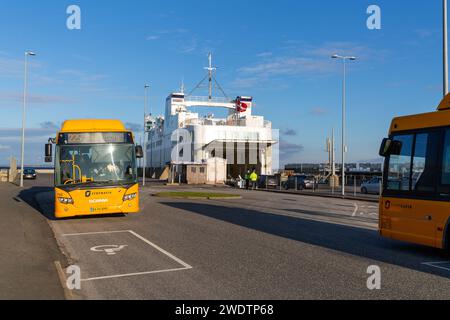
(197, 195)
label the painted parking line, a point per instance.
(113, 250)
(443, 265)
(357, 208)
(134, 274)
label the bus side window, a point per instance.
(425, 162)
(445, 178)
(400, 165)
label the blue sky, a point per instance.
(277, 51)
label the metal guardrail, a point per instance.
(352, 192)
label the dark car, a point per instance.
(29, 174)
(292, 181)
(302, 181)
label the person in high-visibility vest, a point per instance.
(254, 179)
(247, 180)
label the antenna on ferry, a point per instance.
(210, 69)
(182, 85)
(212, 81)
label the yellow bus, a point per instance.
(95, 168)
(415, 203)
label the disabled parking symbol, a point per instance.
(110, 250)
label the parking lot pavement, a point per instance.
(264, 246)
(28, 249)
(326, 192)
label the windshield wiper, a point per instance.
(118, 182)
(98, 183)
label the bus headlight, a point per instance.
(65, 200)
(130, 197)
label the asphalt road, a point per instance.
(264, 246)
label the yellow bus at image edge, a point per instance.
(415, 203)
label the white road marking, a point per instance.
(134, 274)
(181, 262)
(110, 250)
(355, 212)
(161, 250)
(356, 209)
(90, 233)
(434, 264)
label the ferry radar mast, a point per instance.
(212, 81)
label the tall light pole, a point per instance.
(144, 166)
(344, 83)
(445, 51)
(25, 87)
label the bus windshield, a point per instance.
(105, 164)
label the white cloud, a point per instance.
(299, 59)
(318, 111)
(158, 34)
(264, 54)
(13, 67)
(149, 38)
(34, 98)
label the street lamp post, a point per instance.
(144, 166)
(25, 87)
(344, 83)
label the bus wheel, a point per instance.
(364, 191)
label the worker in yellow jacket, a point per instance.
(254, 179)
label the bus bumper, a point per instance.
(96, 202)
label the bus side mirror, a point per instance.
(48, 152)
(389, 147)
(139, 152)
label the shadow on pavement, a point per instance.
(29, 197)
(351, 240)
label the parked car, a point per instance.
(371, 186)
(268, 181)
(310, 182)
(292, 180)
(29, 174)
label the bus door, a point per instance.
(411, 184)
